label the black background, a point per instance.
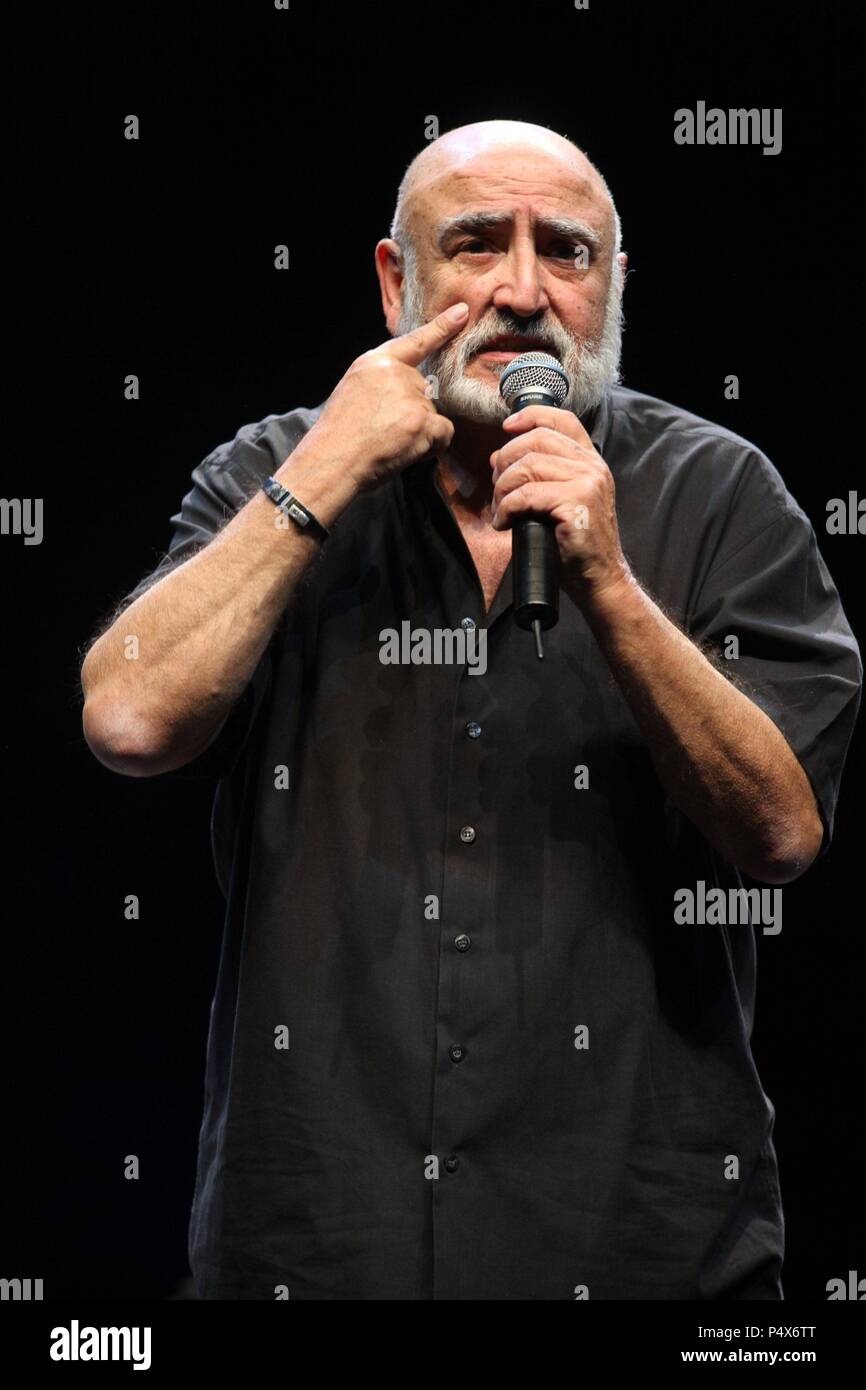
(261, 127)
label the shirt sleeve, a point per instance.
(221, 484)
(798, 659)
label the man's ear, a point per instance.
(389, 268)
(622, 257)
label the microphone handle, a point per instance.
(535, 572)
(535, 555)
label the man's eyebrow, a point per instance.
(572, 230)
(473, 223)
(470, 223)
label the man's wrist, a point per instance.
(605, 602)
(324, 487)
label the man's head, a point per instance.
(516, 221)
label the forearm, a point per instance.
(720, 759)
(160, 682)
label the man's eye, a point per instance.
(559, 251)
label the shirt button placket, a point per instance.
(461, 1005)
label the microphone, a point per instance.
(534, 378)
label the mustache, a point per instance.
(482, 336)
(542, 337)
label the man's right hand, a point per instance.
(379, 418)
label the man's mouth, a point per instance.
(503, 349)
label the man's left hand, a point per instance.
(551, 468)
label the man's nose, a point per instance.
(520, 286)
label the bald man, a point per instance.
(481, 1028)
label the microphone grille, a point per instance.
(534, 371)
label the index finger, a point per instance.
(413, 347)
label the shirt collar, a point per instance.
(597, 422)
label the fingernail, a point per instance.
(458, 312)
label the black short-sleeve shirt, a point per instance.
(459, 1046)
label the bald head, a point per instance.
(468, 148)
(515, 221)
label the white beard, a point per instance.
(592, 365)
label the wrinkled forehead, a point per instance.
(528, 183)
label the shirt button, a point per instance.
(451, 1164)
(467, 624)
(462, 942)
(456, 1052)
(473, 730)
(467, 834)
